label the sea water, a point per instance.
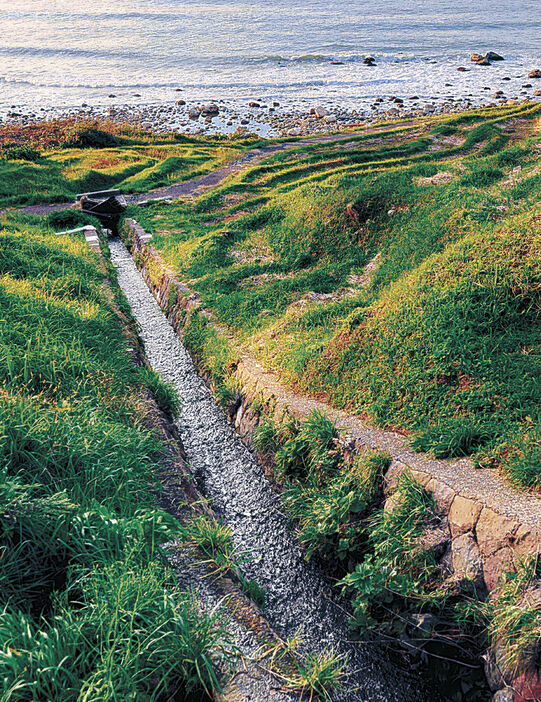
(66, 52)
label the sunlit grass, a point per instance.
(450, 375)
(88, 607)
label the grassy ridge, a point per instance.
(53, 161)
(442, 338)
(89, 609)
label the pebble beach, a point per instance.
(272, 117)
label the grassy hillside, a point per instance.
(439, 335)
(88, 608)
(53, 161)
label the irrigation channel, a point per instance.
(299, 600)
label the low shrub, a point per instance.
(331, 514)
(83, 136)
(393, 576)
(21, 153)
(62, 220)
(308, 451)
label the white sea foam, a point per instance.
(64, 52)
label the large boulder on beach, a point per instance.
(535, 73)
(493, 56)
(210, 110)
(483, 62)
(475, 57)
(369, 61)
(194, 112)
(321, 112)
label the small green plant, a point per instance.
(164, 393)
(265, 438)
(309, 450)
(213, 538)
(514, 615)
(332, 516)
(318, 674)
(229, 394)
(480, 177)
(253, 590)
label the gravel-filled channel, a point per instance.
(298, 598)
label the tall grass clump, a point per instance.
(88, 607)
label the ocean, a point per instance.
(65, 52)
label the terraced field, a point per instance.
(394, 273)
(53, 161)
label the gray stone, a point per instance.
(494, 668)
(321, 112)
(505, 695)
(466, 558)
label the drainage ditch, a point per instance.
(299, 601)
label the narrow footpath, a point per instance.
(299, 601)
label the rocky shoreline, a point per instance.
(268, 117)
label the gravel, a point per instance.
(298, 598)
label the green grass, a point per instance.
(394, 568)
(443, 339)
(319, 674)
(515, 617)
(36, 168)
(88, 607)
(512, 618)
